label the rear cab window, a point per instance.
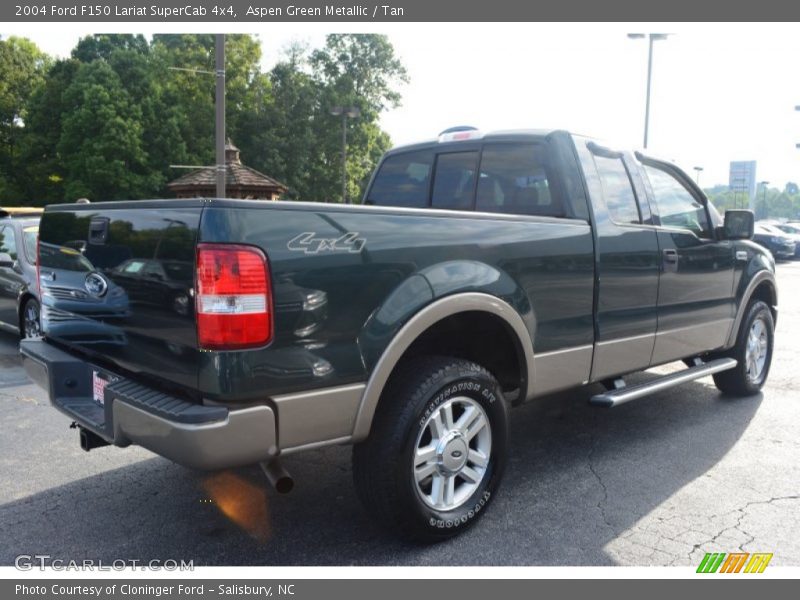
(403, 180)
(522, 177)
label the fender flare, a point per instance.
(757, 280)
(419, 323)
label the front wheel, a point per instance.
(753, 352)
(437, 449)
(31, 319)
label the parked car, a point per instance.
(776, 241)
(480, 272)
(157, 282)
(19, 294)
(793, 231)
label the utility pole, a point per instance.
(220, 109)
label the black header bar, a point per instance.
(267, 11)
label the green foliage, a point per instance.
(771, 203)
(108, 122)
(22, 71)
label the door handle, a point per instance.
(671, 256)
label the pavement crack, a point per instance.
(738, 525)
(601, 504)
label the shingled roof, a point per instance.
(240, 181)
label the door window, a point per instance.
(677, 207)
(617, 189)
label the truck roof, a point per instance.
(493, 136)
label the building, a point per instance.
(742, 180)
(240, 181)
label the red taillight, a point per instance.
(233, 297)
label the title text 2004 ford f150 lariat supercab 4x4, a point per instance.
(481, 271)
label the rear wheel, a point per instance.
(753, 352)
(436, 452)
(31, 319)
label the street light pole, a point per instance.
(346, 112)
(220, 109)
(697, 175)
(652, 37)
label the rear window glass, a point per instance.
(403, 180)
(513, 179)
(454, 181)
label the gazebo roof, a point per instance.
(237, 177)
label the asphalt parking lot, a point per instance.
(659, 481)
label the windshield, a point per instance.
(61, 257)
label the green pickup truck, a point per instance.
(480, 271)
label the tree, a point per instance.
(276, 135)
(193, 92)
(353, 70)
(43, 170)
(101, 140)
(103, 46)
(22, 71)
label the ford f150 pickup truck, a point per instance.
(481, 271)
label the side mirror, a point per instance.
(6, 260)
(739, 224)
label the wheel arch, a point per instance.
(762, 286)
(438, 317)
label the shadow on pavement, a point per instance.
(578, 476)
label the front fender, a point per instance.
(759, 270)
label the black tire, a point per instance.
(739, 381)
(384, 464)
(30, 319)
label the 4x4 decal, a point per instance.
(308, 243)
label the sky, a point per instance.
(720, 92)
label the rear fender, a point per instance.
(426, 298)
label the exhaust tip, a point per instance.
(284, 485)
(278, 477)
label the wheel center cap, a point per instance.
(452, 453)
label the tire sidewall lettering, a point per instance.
(479, 390)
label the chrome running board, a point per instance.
(624, 394)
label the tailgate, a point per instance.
(117, 284)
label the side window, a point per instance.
(7, 242)
(153, 269)
(513, 179)
(617, 189)
(454, 180)
(677, 207)
(403, 180)
(29, 237)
